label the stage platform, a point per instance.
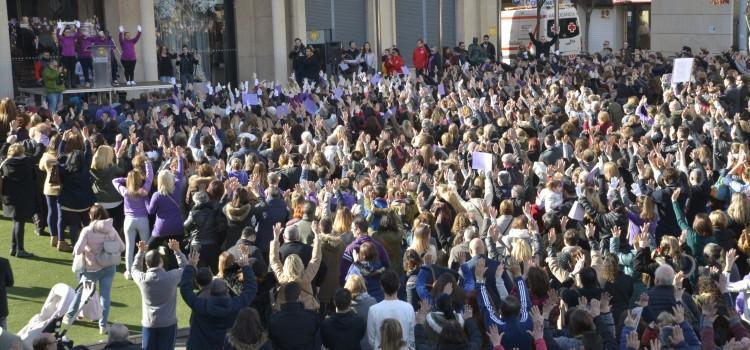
(139, 86)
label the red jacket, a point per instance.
(420, 57)
(395, 64)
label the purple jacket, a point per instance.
(128, 47)
(84, 45)
(167, 209)
(68, 44)
(135, 207)
(347, 260)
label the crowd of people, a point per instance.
(547, 203)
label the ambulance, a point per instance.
(516, 24)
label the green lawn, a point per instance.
(35, 277)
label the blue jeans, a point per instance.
(54, 99)
(159, 338)
(105, 277)
(54, 218)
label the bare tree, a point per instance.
(588, 7)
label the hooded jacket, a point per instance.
(332, 248)
(201, 224)
(213, 315)
(92, 239)
(343, 331)
(237, 219)
(371, 272)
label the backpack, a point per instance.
(109, 255)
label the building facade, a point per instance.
(235, 39)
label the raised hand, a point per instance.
(142, 247)
(496, 337)
(479, 270)
(174, 245)
(194, 257)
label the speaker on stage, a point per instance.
(333, 53)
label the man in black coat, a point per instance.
(293, 327)
(488, 47)
(6, 281)
(309, 67)
(187, 62)
(543, 47)
(292, 245)
(344, 329)
(552, 153)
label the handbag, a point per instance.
(79, 264)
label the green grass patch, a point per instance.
(35, 277)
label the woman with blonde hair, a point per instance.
(342, 224)
(165, 204)
(293, 270)
(135, 189)
(105, 167)
(738, 212)
(48, 164)
(421, 242)
(361, 301)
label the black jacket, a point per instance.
(302, 250)
(187, 63)
(164, 65)
(293, 327)
(309, 68)
(201, 224)
(6, 281)
(542, 48)
(343, 331)
(19, 177)
(122, 345)
(237, 219)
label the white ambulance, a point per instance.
(516, 24)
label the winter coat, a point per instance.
(332, 250)
(46, 164)
(277, 266)
(273, 211)
(294, 327)
(347, 259)
(92, 239)
(237, 219)
(104, 190)
(420, 57)
(212, 315)
(76, 191)
(371, 271)
(343, 331)
(19, 177)
(392, 242)
(235, 344)
(201, 224)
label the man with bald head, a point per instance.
(478, 251)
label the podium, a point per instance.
(102, 67)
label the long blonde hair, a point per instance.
(739, 210)
(165, 182)
(521, 250)
(134, 182)
(342, 223)
(104, 157)
(293, 268)
(421, 239)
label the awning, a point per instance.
(630, 2)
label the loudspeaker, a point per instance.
(333, 53)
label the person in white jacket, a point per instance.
(90, 244)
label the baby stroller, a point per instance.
(49, 320)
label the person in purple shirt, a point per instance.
(85, 41)
(134, 191)
(359, 229)
(128, 60)
(165, 204)
(67, 38)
